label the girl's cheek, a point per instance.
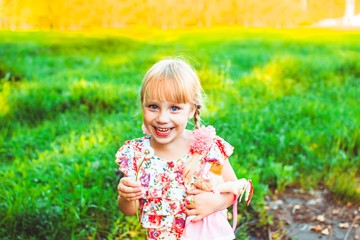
(181, 118)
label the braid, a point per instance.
(194, 161)
(197, 116)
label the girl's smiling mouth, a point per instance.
(163, 132)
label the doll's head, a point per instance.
(173, 81)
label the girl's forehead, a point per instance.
(164, 101)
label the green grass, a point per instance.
(287, 100)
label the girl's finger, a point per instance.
(191, 212)
(130, 195)
(126, 189)
(195, 191)
(189, 206)
(133, 199)
(197, 218)
(190, 202)
(129, 182)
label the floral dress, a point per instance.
(162, 205)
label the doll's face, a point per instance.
(166, 121)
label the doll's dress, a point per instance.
(215, 226)
(162, 205)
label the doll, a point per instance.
(208, 177)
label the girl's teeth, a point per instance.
(164, 130)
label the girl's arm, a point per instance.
(129, 192)
(205, 203)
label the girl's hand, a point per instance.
(204, 203)
(129, 189)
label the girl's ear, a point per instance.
(192, 112)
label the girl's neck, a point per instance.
(174, 150)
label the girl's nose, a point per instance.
(163, 117)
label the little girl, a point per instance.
(157, 181)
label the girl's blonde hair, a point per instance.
(173, 80)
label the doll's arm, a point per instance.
(232, 185)
(235, 187)
(238, 187)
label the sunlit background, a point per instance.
(282, 83)
(85, 14)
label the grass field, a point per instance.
(287, 100)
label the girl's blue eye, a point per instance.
(152, 106)
(174, 108)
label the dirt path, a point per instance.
(308, 216)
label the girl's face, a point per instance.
(166, 121)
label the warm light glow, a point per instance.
(81, 14)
